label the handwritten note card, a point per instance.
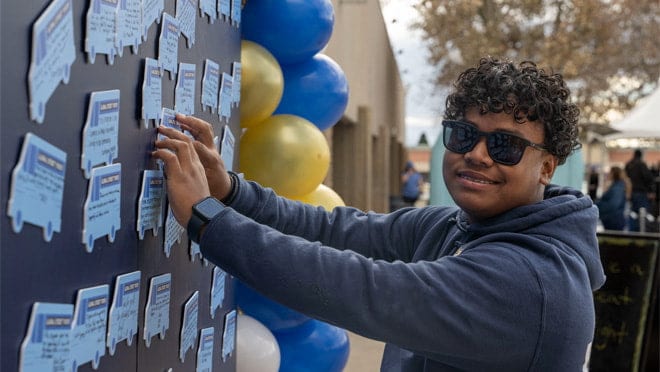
(157, 311)
(100, 142)
(227, 147)
(184, 94)
(224, 7)
(217, 289)
(226, 96)
(173, 232)
(152, 91)
(236, 13)
(38, 187)
(189, 325)
(205, 350)
(89, 324)
(129, 25)
(150, 203)
(123, 318)
(229, 335)
(100, 29)
(102, 213)
(53, 53)
(168, 44)
(186, 13)
(151, 12)
(210, 85)
(209, 7)
(236, 86)
(47, 346)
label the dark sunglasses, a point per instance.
(504, 148)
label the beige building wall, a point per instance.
(368, 142)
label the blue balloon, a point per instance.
(313, 346)
(316, 90)
(291, 30)
(270, 313)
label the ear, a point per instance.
(548, 168)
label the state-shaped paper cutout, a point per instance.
(123, 317)
(184, 93)
(168, 44)
(90, 320)
(152, 10)
(194, 251)
(152, 91)
(236, 13)
(100, 29)
(210, 85)
(102, 211)
(189, 326)
(229, 335)
(208, 7)
(150, 202)
(47, 343)
(226, 96)
(186, 13)
(217, 289)
(128, 25)
(157, 311)
(173, 232)
(100, 142)
(37, 187)
(224, 8)
(236, 74)
(227, 147)
(53, 53)
(205, 350)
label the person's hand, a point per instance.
(216, 174)
(186, 179)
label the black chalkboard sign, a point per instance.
(625, 303)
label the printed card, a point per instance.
(168, 44)
(100, 143)
(100, 29)
(123, 318)
(224, 7)
(236, 13)
(53, 53)
(152, 91)
(184, 94)
(226, 95)
(189, 326)
(157, 311)
(129, 26)
(152, 11)
(90, 321)
(173, 232)
(186, 13)
(236, 86)
(37, 187)
(209, 7)
(102, 213)
(47, 345)
(217, 289)
(210, 85)
(205, 350)
(227, 147)
(150, 203)
(229, 335)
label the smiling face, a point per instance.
(484, 188)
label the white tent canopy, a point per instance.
(641, 124)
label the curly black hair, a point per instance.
(526, 92)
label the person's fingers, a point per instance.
(200, 129)
(208, 157)
(169, 159)
(177, 142)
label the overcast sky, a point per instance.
(423, 105)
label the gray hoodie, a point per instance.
(510, 294)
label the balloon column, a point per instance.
(290, 92)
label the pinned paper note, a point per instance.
(209, 7)
(152, 10)
(210, 85)
(217, 289)
(90, 321)
(53, 53)
(189, 326)
(186, 13)
(168, 44)
(47, 345)
(226, 96)
(150, 203)
(37, 187)
(173, 232)
(129, 25)
(236, 86)
(194, 250)
(236, 13)
(227, 147)
(100, 143)
(123, 318)
(229, 335)
(205, 350)
(157, 311)
(100, 29)
(184, 94)
(224, 7)
(102, 212)
(152, 91)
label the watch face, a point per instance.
(209, 207)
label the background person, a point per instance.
(612, 204)
(412, 182)
(641, 180)
(502, 283)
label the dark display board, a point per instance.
(36, 270)
(627, 303)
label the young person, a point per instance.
(502, 283)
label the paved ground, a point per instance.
(365, 354)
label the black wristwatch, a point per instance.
(203, 212)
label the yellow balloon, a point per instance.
(286, 153)
(324, 197)
(262, 84)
